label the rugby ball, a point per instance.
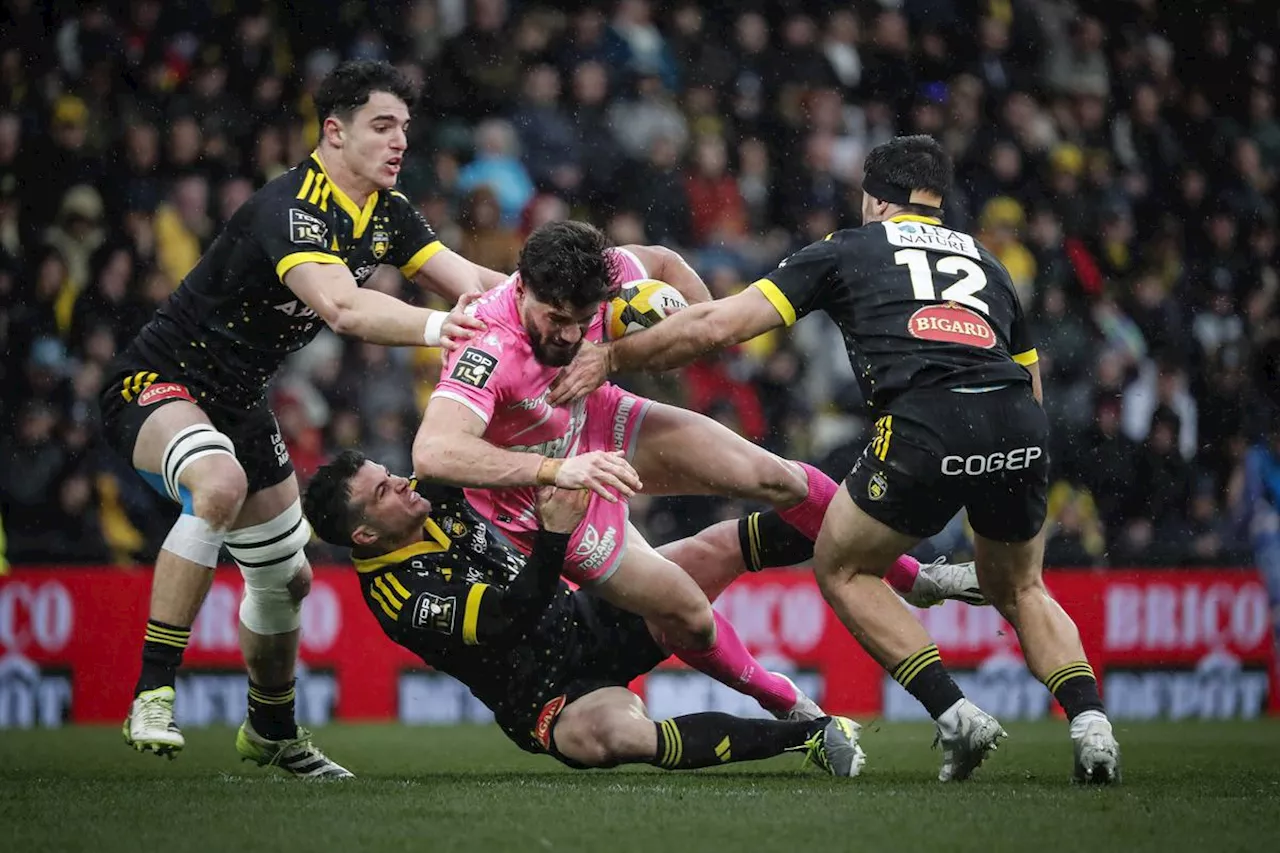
(639, 305)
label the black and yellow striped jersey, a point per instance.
(920, 306)
(228, 327)
(469, 604)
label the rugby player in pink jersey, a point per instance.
(489, 427)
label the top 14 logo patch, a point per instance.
(305, 229)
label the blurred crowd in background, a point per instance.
(1120, 158)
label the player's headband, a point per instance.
(885, 191)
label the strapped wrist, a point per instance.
(433, 332)
(548, 469)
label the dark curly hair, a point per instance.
(348, 87)
(912, 163)
(567, 264)
(327, 502)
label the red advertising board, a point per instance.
(1164, 643)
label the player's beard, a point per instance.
(551, 354)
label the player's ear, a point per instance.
(332, 131)
(363, 536)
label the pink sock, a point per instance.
(729, 662)
(807, 515)
(902, 574)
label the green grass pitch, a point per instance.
(1204, 787)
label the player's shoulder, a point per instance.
(295, 184)
(295, 198)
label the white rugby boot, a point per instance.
(940, 580)
(967, 735)
(1097, 754)
(150, 726)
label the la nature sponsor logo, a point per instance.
(952, 324)
(159, 391)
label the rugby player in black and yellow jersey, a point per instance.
(551, 663)
(940, 347)
(186, 400)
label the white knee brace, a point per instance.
(269, 555)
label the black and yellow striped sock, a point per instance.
(924, 677)
(1075, 687)
(271, 711)
(162, 649)
(712, 739)
(769, 542)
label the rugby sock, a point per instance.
(807, 515)
(924, 677)
(902, 574)
(729, 662)
(1075, 688)
(271, 711)
(711, 739)
(768, 541)
(162, 649)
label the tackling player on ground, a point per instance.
(489, 426)
(186, 400)
(552, 664)
(939, 344)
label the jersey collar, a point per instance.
(434, 542)
(359, 217)
(901, 217)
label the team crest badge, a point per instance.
(458, 529)
(381, 242)
(877, 486)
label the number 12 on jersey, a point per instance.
(971, 278)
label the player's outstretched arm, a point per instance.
(678, 340)
(450, 275)
(667, 265)
(367, 314)
(450, 448)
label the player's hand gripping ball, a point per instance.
(640, 304)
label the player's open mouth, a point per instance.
(393, 165)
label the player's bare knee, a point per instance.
(832, 566)
(219, 492)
